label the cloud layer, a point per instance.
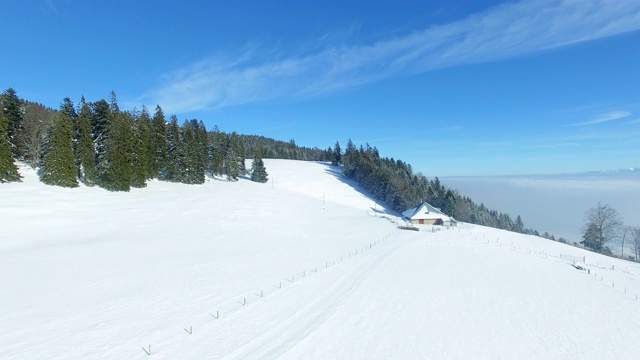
(610, 116)
(501, 32)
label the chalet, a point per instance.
(428, 215)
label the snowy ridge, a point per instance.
(296, 268)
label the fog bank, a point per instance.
(555, 203)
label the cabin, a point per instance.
(426, 214)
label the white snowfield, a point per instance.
(303, 267)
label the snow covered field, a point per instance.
(303, 267)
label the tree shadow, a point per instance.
(383, 209)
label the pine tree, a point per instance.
(146, 143)
(258, 171)
(159, 139)
(11, 105)
(68, 107)
(8, 169)
(100, 117)
(216, 152)
(116, 169)
(203, 147)
(239, 150)
(449, 204)
(337, 154)
(173, 162)
(138, 153)
(348, 159)
(194, 152)
(37, 122)
(231, 169)
(189, 160)
(59, 165)
(85, 154)
(519, 225)
(591, 238)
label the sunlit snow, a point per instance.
(305, 266)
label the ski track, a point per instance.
(304, 321)
(267, 333)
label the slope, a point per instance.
(295, 268)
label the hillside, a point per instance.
(304, 266)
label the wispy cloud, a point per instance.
(610, 116)
(501, 32)
(452, 128)
(524, 144)
(49, 6)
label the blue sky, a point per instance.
(452, 87)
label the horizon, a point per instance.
(488, 88)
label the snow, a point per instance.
(304, 266)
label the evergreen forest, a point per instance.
(98, 144)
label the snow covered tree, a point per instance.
(84, 153)
(100, 118)
(37, 123)
(59, 164)
(258, 171)
(8, 169)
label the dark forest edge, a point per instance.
(97, 144)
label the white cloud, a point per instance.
(610, 116)
(452, 128)
(501, 32)
(49, 6)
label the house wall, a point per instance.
(427, 221)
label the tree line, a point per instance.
(395, 183)
(98, 144)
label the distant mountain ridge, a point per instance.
(631, 169)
